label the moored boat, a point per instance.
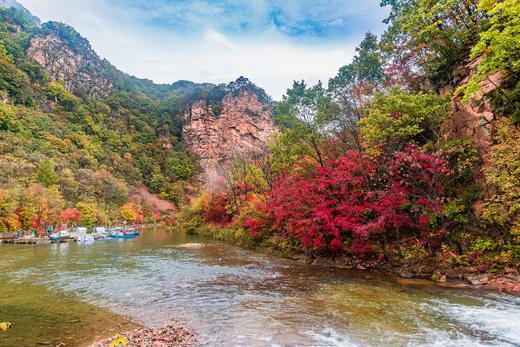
(125, 234)
(86, 239)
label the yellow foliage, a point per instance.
(4, 326)
(128, 212)
(119, 341)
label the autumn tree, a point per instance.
(433, 36)
(128, 212)
(40, 207)
(8, 218)
(70, 215)
(88, 213)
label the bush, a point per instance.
(396, 118)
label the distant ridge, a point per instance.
(18, 6)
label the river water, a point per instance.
(233, 297)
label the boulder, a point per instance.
(478, 280)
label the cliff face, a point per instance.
(475, 119)
(243, 127)
(81, 72)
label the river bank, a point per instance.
(504, 279)
(507, 280)
(169, 335)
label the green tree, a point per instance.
(432, 35)
(13, 80)
(396, 117)
(57, 92)
(7, 118)
(157, 182)
(498, 46)
(46, 174)
(178, 167)
(503, 173)
(304, 115)
(353, 86)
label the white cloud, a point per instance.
(214, 36)
(269, 59)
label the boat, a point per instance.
(55, 236)
(81, 230)
(100, 230)
(86, 239)
(64, 233)
(125, 235)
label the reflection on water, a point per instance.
(234, 297)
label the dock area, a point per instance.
(34, 241)
(97, 233)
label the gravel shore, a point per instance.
(167, 336)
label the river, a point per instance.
(233, 297)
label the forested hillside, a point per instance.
(79, 139)
(410, 155)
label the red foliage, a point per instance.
(253, 225)
(360, 248)
(70, 215)
(359, 198)
(216, 211)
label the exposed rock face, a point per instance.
(80, 72)
(475, 119)
(243, 127)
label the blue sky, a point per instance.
(273, 42)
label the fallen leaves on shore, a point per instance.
(168, 336)
(4, 326)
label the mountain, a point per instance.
(241, 126)
(13, 4)
(73, 123)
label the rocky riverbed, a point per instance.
(167, 336)
(506, 280)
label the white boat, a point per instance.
(64, 233)
(80, 230)
(100, 230)
(86, 239)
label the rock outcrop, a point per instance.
(242, 128)
(474, 119)
(70, 60)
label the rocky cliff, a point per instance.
(474, 119)
(68, 58)
(243, 127)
